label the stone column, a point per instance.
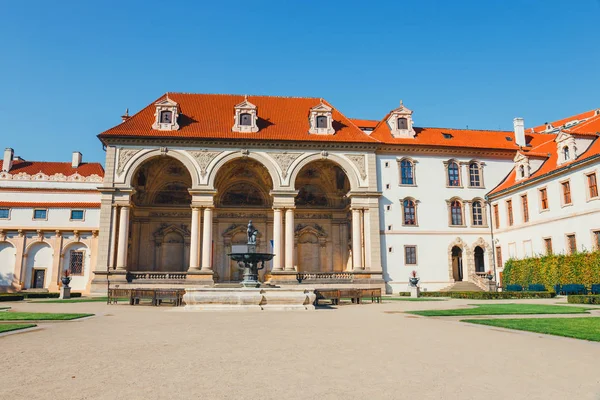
(195, 239)
(356, 240)
(123, 238)
(207, 239)
(367, 237)
(113, 237)
(289, 239)
(277, 238)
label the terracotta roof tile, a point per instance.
(365, 123)
(561, 122)
(51, 168)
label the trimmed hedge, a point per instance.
(11, 297)
(581, 299)
(48, 295)
(550, 270)
(491, 295)
(404, 294)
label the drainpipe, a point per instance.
(491, 223)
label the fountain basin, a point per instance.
(249, 299)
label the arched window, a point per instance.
(402, 123)
(409, 211)
(474, 175)
(477, 213)
(479, 260)
(453, 174)
(321, 121)
(245, 119)
(566, 153)
(166, 117)
(456, 217)
(407, 173)
(522, 171)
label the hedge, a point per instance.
(404, 294)
(550, 270)
(48, 295)
(581, 299)
(11, 297)
(491, 295)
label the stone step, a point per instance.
(463, 287)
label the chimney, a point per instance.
(8, 159)
(76, 161)
(519, 125)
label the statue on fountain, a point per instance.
(251, 261)
(252, 232)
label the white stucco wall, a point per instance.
(7, 263)
(39, 256)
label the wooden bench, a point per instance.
(138, 295)
(353, 294)
(173, 296)
(327, 294)
(114, 295)
(374, 294)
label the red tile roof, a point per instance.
(18, 204)
(589, 126)
(210, 116)
(51, 168)
(365, 123)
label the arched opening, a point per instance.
(457, 264)
(566, 155)
(39, 266)
(160, 219)
(76, 258)
(7, 263)
(322, 221)
(479, 259)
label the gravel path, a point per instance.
(354, 352)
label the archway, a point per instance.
(160, 219)
(457, 264)
(479, 259)
(76, 259)
(7, 263)
(39, 266)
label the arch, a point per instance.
(487, 254)
(409, 211)
(226, 158)
(8, 257)
(142, 156)
(453, 263)
(349, 169)
(478, 259)
(255, 195)
(82, 270)
(39, 262)
(456, 211)
(33, 243)
(322, 184)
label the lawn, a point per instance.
(77, 300)
(14, 327)
(504, 309)
(414, 299)
(25, 316)
(578, 328)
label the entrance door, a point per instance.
(39, 277)
(457, 267)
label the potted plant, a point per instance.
(66, 279)
(413, 278)
(490, 274)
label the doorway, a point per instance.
(39, 277)
(457, 265)
(479, 260)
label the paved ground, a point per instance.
(354, 352)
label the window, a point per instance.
(522, 171)
(474, 175)
(407, 176)
(387, 185)
(76, 263)
(525, 208)
(456, 217)
(410, 215)
(544, 199)
(410, 255)
(477, 210)
(389, 227)
(509, 211)
(592, 185)
(527, 248)
(596, 236)
(386, 164)
(77, 215)
(499, 262)
(548, 245)
(566, 153)
(496, 216)
(390, 249)
(166, 117)
(571, 244)
(402, 123)
(453, 174)
(4, 213)
(321, 121)
(388, 207)
(40, 214)
(245, 119)
(566, 188)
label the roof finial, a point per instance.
(125, 116)
(127, 112)
(401, 105)
(168, 96)
(245, 97)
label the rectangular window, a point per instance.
(389, 227)
(410, 255)
(509, 211)
(387, 164)
(388, 208)
(499, 262)
(527, 248)
(496, 216)
(40, 214)
(474, 175)
(512, 250)
(592, 185)
(571, 244)
(387, 185)
(4, 213)
(76, 263)
(77, 215)
(596, 239)
(548, 245)
(525, 208)
(543, 199)
(566, 188)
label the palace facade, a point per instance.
(337, 200)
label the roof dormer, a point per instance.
(166, 115)
(245, 117)
(400, 122)
(321, 120)
(566, 147)
(522, 167)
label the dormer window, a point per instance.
(566, 153)
(566, 147)
(166, 115)
(522, 167)
(321, 120)
(521, 172)
(400, 122)
(246, 115)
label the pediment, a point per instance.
(563, 136)
(520, 157)
(321, 107)
(315, 229)
(246, 105)
(401, 111)
(165, 229)
(166, 103)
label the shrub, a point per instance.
(11, 297)
(491, 295)
(41, 295)
(404, 294)
(514, 288)
(581, 299)
(537, 288)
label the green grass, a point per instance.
(14, 327)
(578, 328)
(26, 316)
(414, 299)
(504, 309)
(78, 300)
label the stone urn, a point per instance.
(66, 280)
(490, 276)
(413, 281)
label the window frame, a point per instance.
(412, 169)
(321, 118)
(479, 167)
(568, 248)
(543, 197)
(8, 212)
(564, 193)
(40, 219)
(416, 254)
(525, 208)
(241, 116)
(589, 186)
(398, 123)
(462, 212)
(595, 239)
(483, 207)
(548, 240)
(510, 217)
(496, 215)
(414, 205)
(459, 174)
(77, 219)
(499, 261)
(71, 252)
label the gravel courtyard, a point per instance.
(372, 351)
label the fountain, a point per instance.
(251, 295)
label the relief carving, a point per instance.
(204, 158)
(124, 156)
(284, 160)
(359, 161)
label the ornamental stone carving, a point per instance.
(204, 158)
(284, 160)
(359, 161)
(124, 156)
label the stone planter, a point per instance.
(65, 281)
(490, 277)
(413, 281)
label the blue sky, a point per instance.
(70, 68)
